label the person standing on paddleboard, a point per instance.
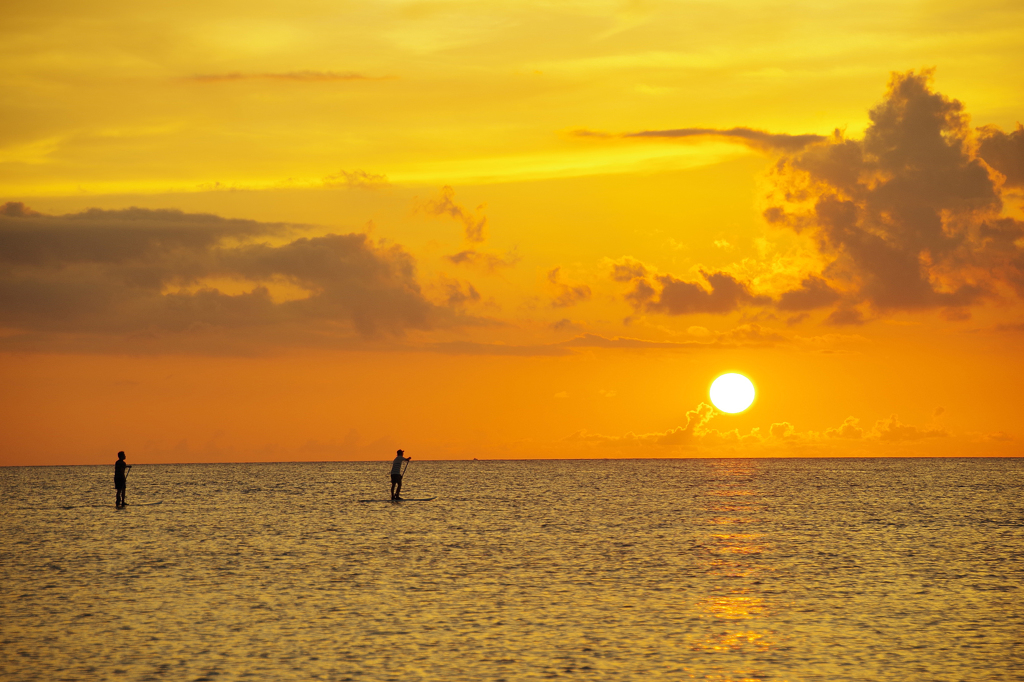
(396, 475)
(121, 470)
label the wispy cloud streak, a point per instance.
(757, 139)
(297, 76)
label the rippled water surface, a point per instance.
(888, 569)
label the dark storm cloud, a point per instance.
(757, 139)
(908, 216)
(1004, 152)
(147, 272)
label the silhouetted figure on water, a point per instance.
(121, 470)
(396, 475)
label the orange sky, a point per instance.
(249, 231)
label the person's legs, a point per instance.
(398, 493)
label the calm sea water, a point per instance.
(882, 569)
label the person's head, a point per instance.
(400, 453)
(120, 455)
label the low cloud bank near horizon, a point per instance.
(154, 273)
(908, 218)
(696, 433)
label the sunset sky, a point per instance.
(244, 231)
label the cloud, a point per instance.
(488, 261)
(850, 429)
(677, 297)
(501, 349)
(457, 293)
(781, 437)
(159, 273)
(598, 341)
(445, 205)
(796, 319)
(16, 209)
(757, 139)
(782, 431)
(723, 293)
(626, 269)
(908, 218)
(566, 294)
(845, 316)
(688, 434)
(356, 178)
(814, 292)
(892, 430)
(300, 76)
(583, 132)
(567, 325)
(1004, 152)
(746, 335)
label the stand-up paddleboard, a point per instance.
(405, 499)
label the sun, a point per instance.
(732, 392)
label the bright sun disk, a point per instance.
(732, 392)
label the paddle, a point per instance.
(403, 472)
(124, 498)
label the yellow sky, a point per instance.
(509, 229)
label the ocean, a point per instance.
(704, 569)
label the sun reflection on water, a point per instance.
(736, 548)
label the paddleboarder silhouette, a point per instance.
(396, 474)
(121, 470)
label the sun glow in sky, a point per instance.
(255, 231)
